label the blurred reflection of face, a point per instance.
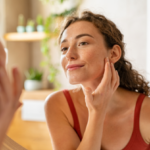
(83, 45)
(2, 54)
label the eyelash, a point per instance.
(84, 43)
(65, 48)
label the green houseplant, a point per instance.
(30, 26)
(33, 80)
(40, 23)
(47, 1)
(20, 27)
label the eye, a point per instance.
(83, 43)
(64, 49)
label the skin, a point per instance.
(9, 95)
(99, 82)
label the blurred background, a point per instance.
(29, 30)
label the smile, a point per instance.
(74, 68)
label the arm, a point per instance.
(62, 133)
(9, 98)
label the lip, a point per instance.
(74, 66)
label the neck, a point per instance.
(119, 99)
(92, 85)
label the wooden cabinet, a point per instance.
(31, 135)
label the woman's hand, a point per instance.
(9, 95)
(9, 92)
(100, 98)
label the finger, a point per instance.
(19, 105)
(2, 98)
(1, 46)
(5, 83)
(114, 76)
(17, 87)
(106, 77)
(118, 80)
(2, 59)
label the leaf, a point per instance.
(43, 63)
(45, 50)
(33, 74)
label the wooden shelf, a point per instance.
(33, 36)
(37, 94)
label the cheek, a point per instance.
(94, 57)
(95, 60)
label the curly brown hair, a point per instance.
(130, 79)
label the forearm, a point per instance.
(5, 120)
(93, 133)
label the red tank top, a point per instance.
(136, 141)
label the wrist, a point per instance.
(97, 114)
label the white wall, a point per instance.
(18, 52)
(148, 40)
(131, 18)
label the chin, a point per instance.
(76, 81)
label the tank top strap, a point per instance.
(137, 112)
(73, 112)
(136, 139)
(136, 135)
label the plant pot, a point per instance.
(29, 29)
(31, 85)
(40, 28)
(20, 29)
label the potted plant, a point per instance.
(30, 26)
(33, 80)
(20, 27)
(40, 26)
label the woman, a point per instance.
(9, 95)
(111, 109)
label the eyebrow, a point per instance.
(79, 36)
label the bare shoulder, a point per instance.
(57, 101)
(145, 116)
(54, 100)
(146, 108)
(56, 112)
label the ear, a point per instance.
(115, 54)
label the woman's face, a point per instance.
(82, 53)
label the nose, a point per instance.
(71, 53)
